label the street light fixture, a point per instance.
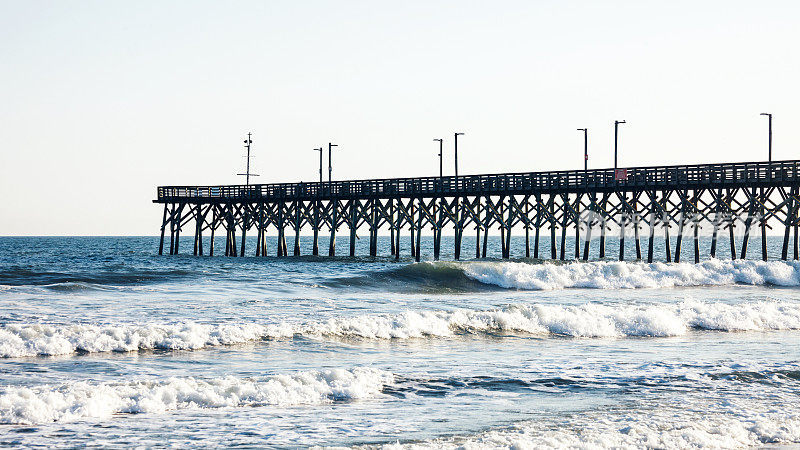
(616, 133)
(330, 166)
(585, 148)
(440, 156)
(247, 173)
(770, 134)
(320, 163)
(456, 135)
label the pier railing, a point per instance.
(597, 180)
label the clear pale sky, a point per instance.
(100, 102)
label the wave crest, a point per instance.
(630, 275)
(23, 405)
(588, 321)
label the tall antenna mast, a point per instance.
(247, 174)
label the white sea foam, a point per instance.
(588, 320)
(628, 275)
(719, 426)
(38, 339)
(23, 405)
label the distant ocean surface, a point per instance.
(104, 343)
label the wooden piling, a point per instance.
(393, 248)
(538, 226)
(334, 224)
(564, 221)
(316, 227)
(419, 231)
(679, 239)
(622, 233)
(353, 228)
(163, 228)
(650, 241)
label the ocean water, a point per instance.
(104, 343)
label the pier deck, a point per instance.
(723, 195)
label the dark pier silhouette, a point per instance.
(565, 204)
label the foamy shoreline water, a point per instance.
(342, 352)
(24, 405)
(632, 275)
(588, 321)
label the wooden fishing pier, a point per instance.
(565, 204)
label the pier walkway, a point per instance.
(726, 195)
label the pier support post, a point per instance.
(245, 224)
(527, 227)
(198, 231)
(458, 226)
(262, 226)
(577, 227)
(486, 228)
(373, 230)
(419, 230)
(622, 220)
(564, 222)
(666, 239)
(334, 224)
(281, 231)
(477, 241)
(791, 206)
(588, 241)
(163, 228)
(714, 233)
(297, 226)
(745, 238)
(393, 248)
(412, 224)
(353, 228)
(652, 231)
(231, 234)
(731, 238)
(763, 227)
(793, 222)
(538, 226)
(399, 228)
(509, 225)
(478, 227)
(716, 222)
(315, 244)
(679, 239)
(636, 220)
(553, 226)
(747, 223)
(437, 228)
(178, 227)
(603, 227)
(501, 227)
(213, 229)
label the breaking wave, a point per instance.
(722, 426)
(622, 275)
(588, 320)
(24, 405)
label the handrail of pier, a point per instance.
(570, 181)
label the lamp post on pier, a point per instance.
(320, 163)
(585, 148)
(440, 156)
(616, 134)
(770, 134)
(456, 135)
(330, 166)
(247, 173)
